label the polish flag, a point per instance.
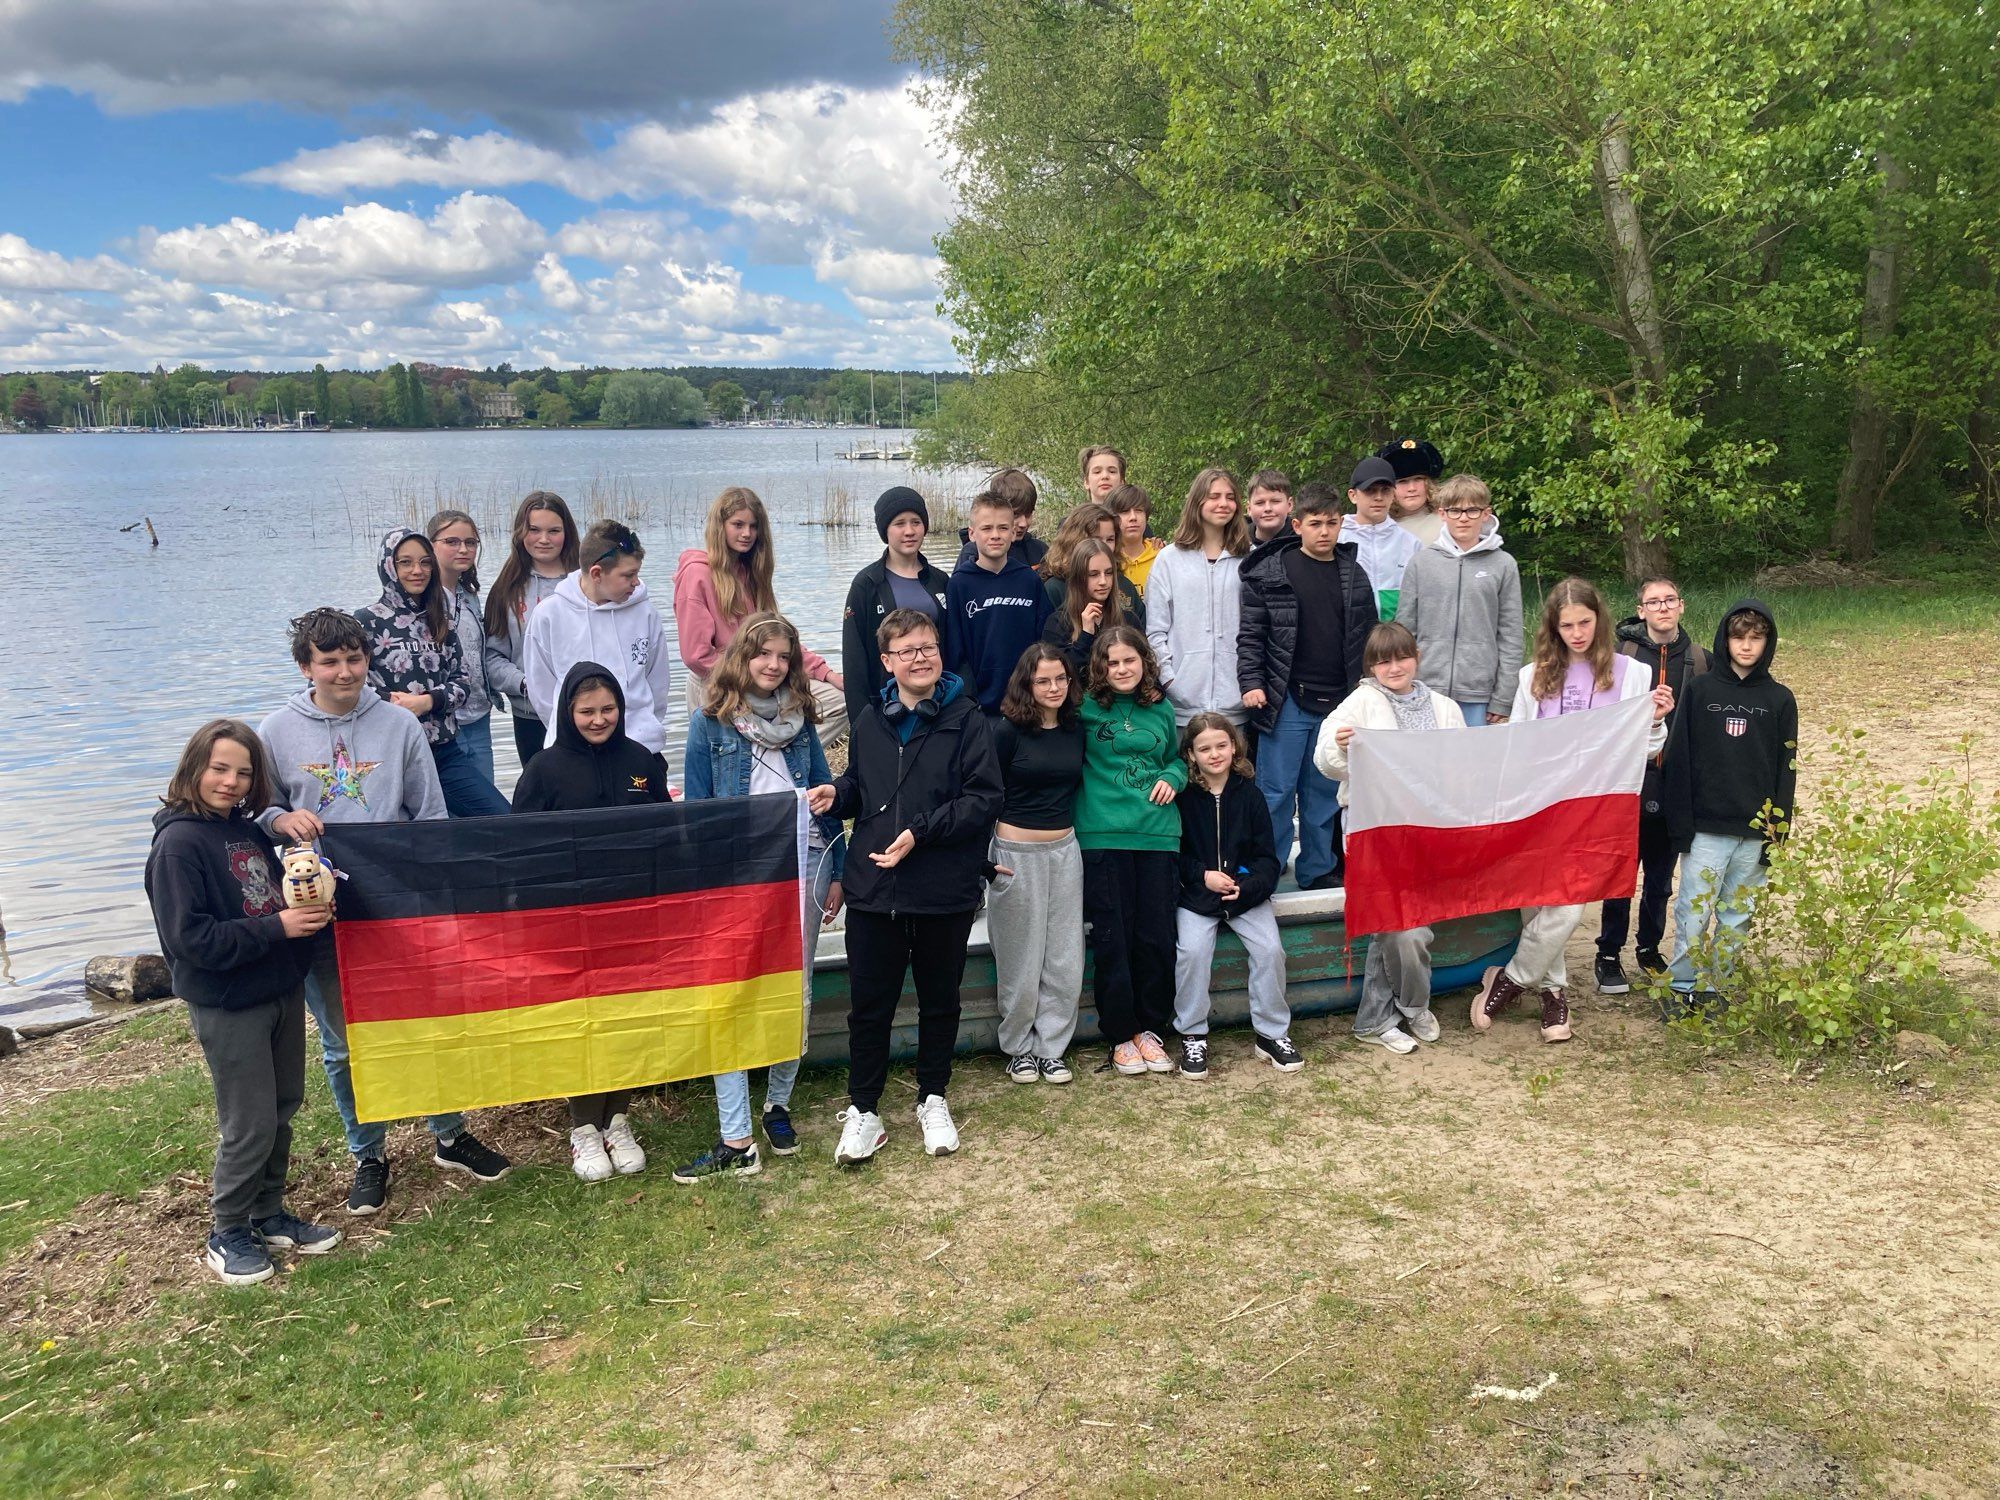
(1459, 822)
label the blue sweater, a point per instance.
(994, 618)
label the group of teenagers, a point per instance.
(1103, 738)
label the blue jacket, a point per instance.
(717, 764)
(994, 618)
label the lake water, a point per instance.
(114, 651)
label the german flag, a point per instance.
(494, 960)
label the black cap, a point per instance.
(1410, 457)
(893, 502)
(1371, 471)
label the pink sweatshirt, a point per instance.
(699, 623)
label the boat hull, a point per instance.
(1323, 976)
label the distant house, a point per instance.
(499, 406)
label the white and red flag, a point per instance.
(1451, 824)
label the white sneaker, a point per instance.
(627, 1155)
(861, 1136)
(940, 1135)
(1423, 1026)
(1395, 1039)
(587, 1156)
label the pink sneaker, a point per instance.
(1154, 1051)
(1125, 1057)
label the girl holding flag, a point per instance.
(1575, 668)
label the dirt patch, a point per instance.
(1815, 573)
(98, 1056)
(1698, 1458)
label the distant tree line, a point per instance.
(420, 395)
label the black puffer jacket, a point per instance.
(1269, 635)
(942, 783)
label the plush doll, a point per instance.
(308, 877)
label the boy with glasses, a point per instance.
(601, 613)
(1461, 599)
(1654, 636)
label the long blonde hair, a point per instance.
(1552, 656)
(740, 586)
(1235, 535)
(729, 684)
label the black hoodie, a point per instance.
(573, 774)
(217, 893)
(1676, 664)
(1733, 746)
(1230, 833)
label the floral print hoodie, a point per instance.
(402, 657)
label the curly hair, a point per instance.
(1098, 683)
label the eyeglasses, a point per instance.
(1465, 512)
(913, 653)
(1667, 603)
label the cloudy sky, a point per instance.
(546, 181)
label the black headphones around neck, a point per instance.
(895, 710)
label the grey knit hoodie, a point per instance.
(1464, 607)
(372, 765)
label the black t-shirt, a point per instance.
(1319, 660)
(1042, 769)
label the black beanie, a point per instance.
(892, 502)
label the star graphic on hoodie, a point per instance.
(341, 779)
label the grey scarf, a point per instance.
(1414, 709)
(772, 721)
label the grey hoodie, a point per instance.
(369, 766)
(503, 653)
(1464, 607)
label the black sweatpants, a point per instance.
(1129, 896)
(881, 949)
(257, 1061)
(597, 1109)
(1656, 866)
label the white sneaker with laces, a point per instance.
(1395, 1039)
(627, 1155)
(587, 1157)
(861, 1136)
(1423, 1026)
(940, 1135)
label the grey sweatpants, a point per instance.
(1194, 957)
(1396, 982)
(257, 1059)
(1538, 962)
(1034, 919)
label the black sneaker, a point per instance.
(371, 1186)
(720, 1160)
(778, 1130)
(285, 1230)
(1651, 964)
(1610, 975)
(1023, 1069)
(1280, 1053)
(238, 1257)
(466, 1155)
(1327, 882)
(1194, 1057)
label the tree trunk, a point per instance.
(1638, 303)
(1982, 431)
(1861, 479)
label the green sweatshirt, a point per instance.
(1126, 748)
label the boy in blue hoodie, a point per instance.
(997, 604)
(340, 754)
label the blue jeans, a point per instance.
(1287, 777)
(1719, 878)
(1475, 713)
(477, 737)
(323, 1000)
(732, 1090)
(467, 794)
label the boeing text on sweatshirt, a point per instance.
(1734, 746)
(628, 638)
(994, 618)
(370, 765)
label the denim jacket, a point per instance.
(717, 764)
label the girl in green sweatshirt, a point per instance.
(1130, 831)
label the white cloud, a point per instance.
(24, 268)
(471, 240)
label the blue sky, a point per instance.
(615, 181)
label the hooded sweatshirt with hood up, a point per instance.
(573, 774)
(1733, 746)
(217, 895)
(628, 638)
(368, 765)
(1463, 604)
(402, 656)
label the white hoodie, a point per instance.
(627, 638)
(1385, 548)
